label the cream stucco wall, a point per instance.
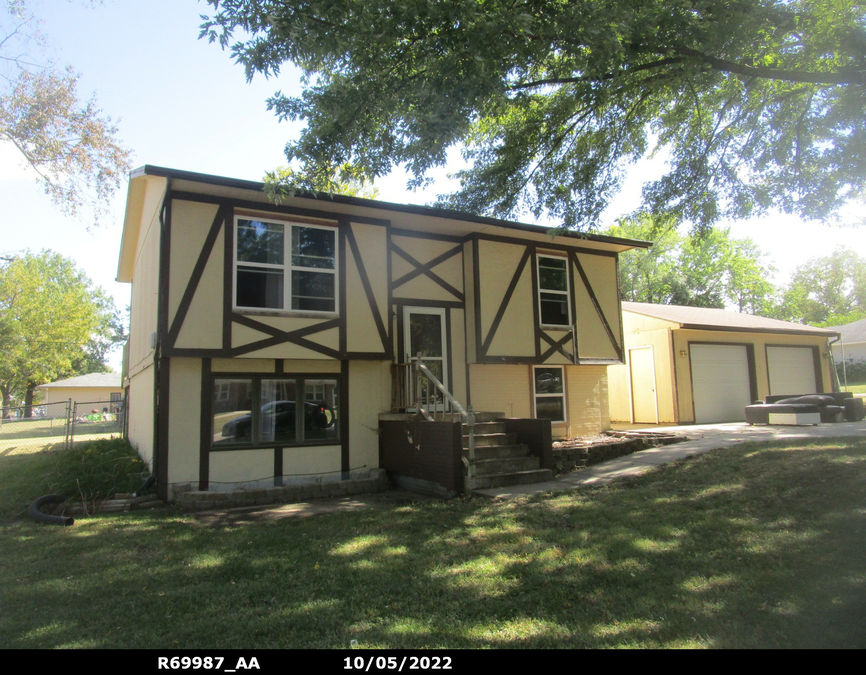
(508, 389)
(140, 412)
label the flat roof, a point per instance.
(706, 318)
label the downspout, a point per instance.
(836, 385)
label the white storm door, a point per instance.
(720, 383)
(424, 332)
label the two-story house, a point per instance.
(263, 337)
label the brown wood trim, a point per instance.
(163, 374)
(195, 277)
(536, 304)
(734, 329)
(503, 305)
(345, 465)
(556, 346)
(432, 276)
(228, 278)
(267, 207)
(426, 267)
(446, 304)
(621, 322)
(368, 288)
(545, 245)
(476, 282)
(278, 467)
(283, 338)
(435, 236)
(276, 332)
(279, 367)
(206, 427)
(194, 352)
(389, 310)
(164, 273)
(344, 226)
(617, 348)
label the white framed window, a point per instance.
(285, 266)
(553, 292)
(548, 383)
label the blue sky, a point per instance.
(182, 103)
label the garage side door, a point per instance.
(720, 383)
(792, 370)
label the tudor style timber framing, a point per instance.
(389, 263)
(546, 345)
(223, 223)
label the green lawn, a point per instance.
(855, 388)
(753, 546)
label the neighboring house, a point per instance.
(693, 364)
(85, 389)
(242, 310)
(852, 342)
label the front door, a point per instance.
(424, 332)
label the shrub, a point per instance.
(856, 371)
(96, 470)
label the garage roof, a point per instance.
(851, 332)
(90, 380)
(704, 318)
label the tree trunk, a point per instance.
(7, 401)
(28, 401)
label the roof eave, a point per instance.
(222, 181)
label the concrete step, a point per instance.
(491, 439)
(486, 428)
(498, 451)
(515, 478)
(489, 467)
(488, 416)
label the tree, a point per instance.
(829, 290)
(708, 270)
(53, 322)
(758, 103)
(72, 147)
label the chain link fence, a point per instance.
(59, 425)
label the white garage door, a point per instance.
(792, 370)
(720, 383)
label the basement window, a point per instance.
(265, 412)
(549, 390)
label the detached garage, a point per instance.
(697, 365)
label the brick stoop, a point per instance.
(499, 459)
(195, 500)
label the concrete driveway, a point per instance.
(702, 438)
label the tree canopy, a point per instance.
(757, 103)
(70, 144)
(53, 324)
(714, 270)
(827, 291)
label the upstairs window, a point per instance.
(553, 294)
(285, 266)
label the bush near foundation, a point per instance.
(97, 470)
